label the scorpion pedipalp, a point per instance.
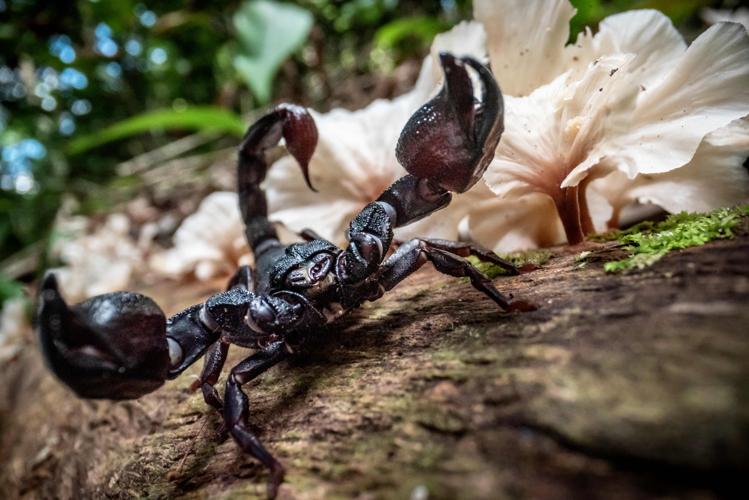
(451, 139)
(111, 346)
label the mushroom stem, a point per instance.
(582, 198)
(613, 222)
(568, 207)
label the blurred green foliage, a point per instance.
(682, 12)
(70, 69)
(267, 34)
(397, 34)
(86, 85)
(9, 289)
(203, 118)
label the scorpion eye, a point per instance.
(321, 267)
(309, 273)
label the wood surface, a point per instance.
(618, 386)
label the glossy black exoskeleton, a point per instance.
(120, 345)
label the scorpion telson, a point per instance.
(121, 346)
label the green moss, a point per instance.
(538, 257)
(519, 259)
(648, 242)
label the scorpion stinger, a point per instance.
(120, 345)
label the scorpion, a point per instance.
(121, 346)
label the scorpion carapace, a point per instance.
(121, 346)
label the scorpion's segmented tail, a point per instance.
(298, 129)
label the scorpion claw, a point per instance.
(451, 139)
(111, 346)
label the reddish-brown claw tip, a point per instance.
(521, 306)
(305, 172)
(527, 268)
(276, 479)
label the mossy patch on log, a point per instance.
(648, 242)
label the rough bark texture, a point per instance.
(618, 386)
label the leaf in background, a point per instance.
(268, 33)
(201, 118)
(678, 10)
(358, 13)
(589, 13)
(422, 28)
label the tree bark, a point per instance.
(618, 386)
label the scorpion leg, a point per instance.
(213, 364)
(413, 254)
(236, 409)
(243, 278)
(215, 358)
(465, 249)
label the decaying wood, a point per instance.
(618, 386)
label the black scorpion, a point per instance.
(121, 346)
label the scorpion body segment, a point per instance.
(120, 345)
